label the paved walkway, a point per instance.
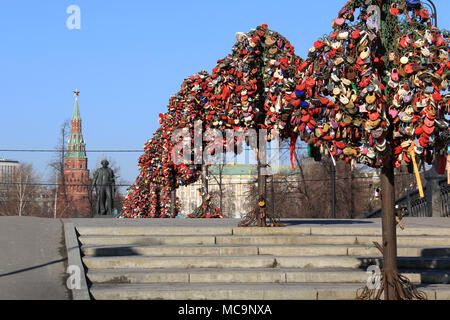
(32, 259)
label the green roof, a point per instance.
(76, 142)
(76, 111)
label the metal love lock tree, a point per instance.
(152, 192)
(383, 70)
(368, 93)
(249, 89)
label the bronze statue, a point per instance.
(104, 185)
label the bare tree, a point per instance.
(22, 189)
(306, 193)
(57, 164)
(18, 197)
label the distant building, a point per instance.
(7, 170)
(237, 182)
(74, 191)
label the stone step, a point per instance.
(432, 251)
(376, 231)
(146, 240)
(218, 250)
(151, 231)
(331, 240)
(261, 240)
(144, 262)
(417, 241)
(247, 291)
(169, 250)
(294, 230)
(262, 275)
(343, 230)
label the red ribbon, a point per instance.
(292, 149)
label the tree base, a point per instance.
(403, 288)
(206, 211)
(251, 220)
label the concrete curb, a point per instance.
(74, 259)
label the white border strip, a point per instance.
(74, 258)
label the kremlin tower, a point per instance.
(74, 191)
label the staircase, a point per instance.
(222, 263)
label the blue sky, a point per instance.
(127, 59)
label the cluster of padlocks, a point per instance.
(150, 195)
(364, 112)
(348, 98)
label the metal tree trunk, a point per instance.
(389, 232)
(262, 193)
(387, 175)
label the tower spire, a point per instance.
(76, 145)
(76, 111)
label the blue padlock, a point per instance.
(299, 93)
(304, 104)
(412, 3)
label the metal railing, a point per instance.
(445, 198)
(419, 207)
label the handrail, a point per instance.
(416, 207)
